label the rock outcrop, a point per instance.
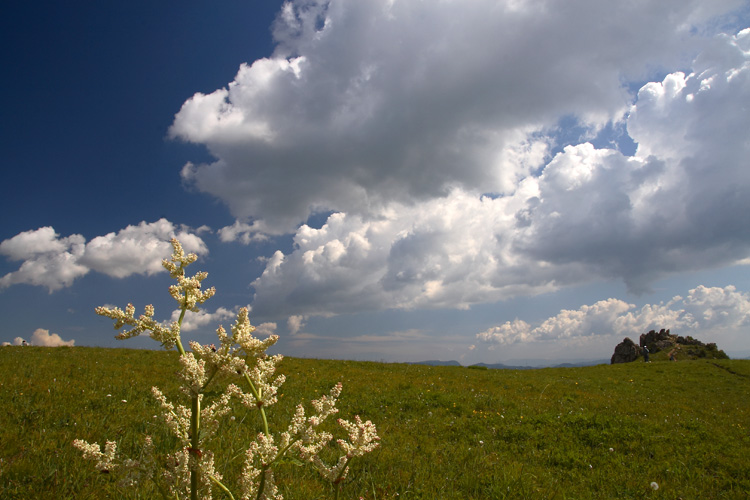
(625, 352)
(658, 341)
(687, 347)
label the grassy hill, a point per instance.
(449, 432)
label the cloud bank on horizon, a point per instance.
(44, 338)
(704, 309)
(433, 137)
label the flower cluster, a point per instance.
(257, 479)
(179, 260)
(363, 438)
(311, 441)
(224, 359)
(107, 461)
(176, 418)
(242, 335)
(180, 465)
(302, 436)
(167, 336)
(187, 292)
(189, 471)
(264, 388)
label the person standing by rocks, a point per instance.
(672, 353)
(645, 354)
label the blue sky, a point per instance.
(382, 179)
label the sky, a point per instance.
(511, 181)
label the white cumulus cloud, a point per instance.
(42, 337)
(444, 253)
(368, 103)
(705, 310)
(56, 262)
(719, 307)
(588, 214)
(295, 323)
(265, 329)
(48, 260)
(138, 249)
(679, 204)
(201, 319)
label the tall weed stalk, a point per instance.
(189, 471)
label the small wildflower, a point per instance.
(654, 485)
(363, 437)
(105, 461)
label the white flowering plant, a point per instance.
(189, 471)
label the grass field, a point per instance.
(605, 431)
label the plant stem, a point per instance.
(178, 342)
(257, 396)
(183, 310)
(195, 415)
(221, 485)
(262, 484)
(195, 442)
(336, 483)
(209, 379)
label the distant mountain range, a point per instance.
(435, 362)
(531, 364)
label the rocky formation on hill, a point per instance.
(658, 341)
(625, 352)
(689, 347)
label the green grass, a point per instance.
(596, 432)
